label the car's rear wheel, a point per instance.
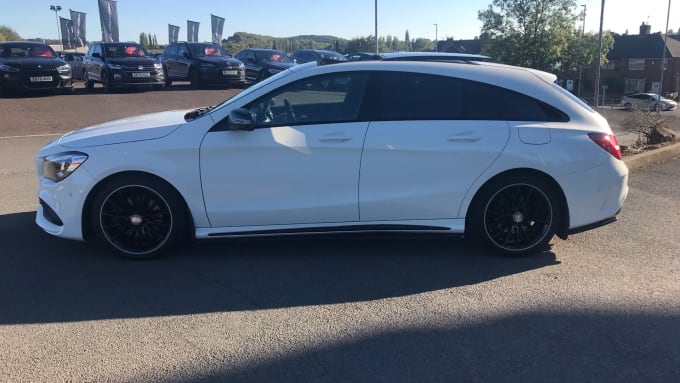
(516, 215)
(138, 216)
(168, 82)
(628, 106)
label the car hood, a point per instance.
(276, 65)
(28, 62)
(140, 128)
(221, 60)
(132, 60)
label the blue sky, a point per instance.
(284, 18)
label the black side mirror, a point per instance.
(97, 54)
(241, 119)
(185, 54)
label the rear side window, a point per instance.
(415, 96)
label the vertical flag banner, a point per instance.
(78, 23)
(108, 15)
(66, 33)
(217, 28)
(192, 31)
(173, 33)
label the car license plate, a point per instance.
(41, 79)
(229, 72)
(141, 74)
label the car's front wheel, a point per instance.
(106, 83)
(89, 84)
(516, 215)
(138, 216)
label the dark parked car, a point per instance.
(302, 56)
(75, 60)
(120, 65)
(202, 64)
(262, 63)
(31, 66)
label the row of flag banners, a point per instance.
(73, 30)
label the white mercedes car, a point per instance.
(493, 152)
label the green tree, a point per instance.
(144, 40)
(529, 33)
(583, 49)
(9, 34)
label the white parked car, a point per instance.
(650, 101)
(413, 147)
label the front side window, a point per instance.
(327, 98)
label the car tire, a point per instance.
(168, 81)
(89, 84)
(195, 79)
(515, 215)
(106, 83)
(138, 216)
(261, 75)
(628, 106)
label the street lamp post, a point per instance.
(436, 47)
(580, 66)
(663, 55)
(56, 9)
(376, 26)
(599, 58)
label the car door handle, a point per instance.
(335, 138)
(463, 137)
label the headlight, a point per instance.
(207, 65)
(241, 66)
(158, 66)
(64, 68)
(115, 66)
(7, 68)
(59, 166)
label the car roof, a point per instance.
(21, 43)
(431, 56)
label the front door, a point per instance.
(299, 166)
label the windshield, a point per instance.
(125, 50)
(201, 50)
(273, 56)
(30, 50)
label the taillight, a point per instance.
(607, 142)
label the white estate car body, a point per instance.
(215, 173)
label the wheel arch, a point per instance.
(88, 231)
(563, 226)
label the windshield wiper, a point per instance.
(196, 113)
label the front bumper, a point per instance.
(22, 81)
(60, 207)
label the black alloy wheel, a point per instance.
(516, 216)
(139, 218)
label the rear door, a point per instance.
(428, 141)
